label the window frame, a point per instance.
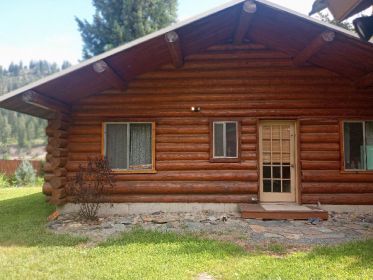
(129, 171)
(212, 142)
(343, 144)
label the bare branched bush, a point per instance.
(88, 185)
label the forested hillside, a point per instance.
(19, 131)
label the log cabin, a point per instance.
(247, 104)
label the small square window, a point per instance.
(225, 142)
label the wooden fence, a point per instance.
(9, 167)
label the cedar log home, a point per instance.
(247, 103)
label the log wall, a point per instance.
(247, 83)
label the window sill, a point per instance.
(119, 172)
(222, 160)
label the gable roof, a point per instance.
(272, 25)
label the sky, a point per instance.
(46, 29)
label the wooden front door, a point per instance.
(277, 148)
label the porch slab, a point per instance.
(281, 211)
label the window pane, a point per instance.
(354, 146)
(231, 132)
(276, 171)
(267, 172)
(267, 186)
(286, 186)
(141, 146)
(276, 185)
(116, 146)
(218, 140)
(369, 144)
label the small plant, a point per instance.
(88, 186)
(25, 174)
(4, 181)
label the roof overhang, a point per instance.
(272, 25)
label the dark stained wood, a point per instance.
(109, 75)
(365, 81)
(174, 47)
(33, 98)
(243, 25)
(313, 47)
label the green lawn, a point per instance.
(27, 251)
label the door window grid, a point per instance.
(276, 170)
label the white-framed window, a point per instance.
(225, 139)
(129, 145)
(358, 145)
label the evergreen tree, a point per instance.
(118, 21)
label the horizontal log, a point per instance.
(205, 175)
(334, 176)
(239, 198)
(347, 198)
(319, 128)
(185, 129)
(249, 155)
(248, 138)
(332, 188)
(232, 113)
(182, 187)
(318, 122)
(248, 147)
(204, 165)
(76, 156)
(85, 138)
(174, 165)
(320, 165)
(248, 129)
(320, 147)
(58, 152)
(47, 189)
(319, 138)
(320, 156)
(182, 121)
(85, 130)
(183, 139)
(168, 156)
(85, 147)
(181, 147)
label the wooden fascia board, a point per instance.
(313, 47)
(103, 69)
(174, 48)
(244, 22)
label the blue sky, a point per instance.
(46, 29)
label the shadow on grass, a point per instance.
(22, 223)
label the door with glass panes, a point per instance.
(277, 161)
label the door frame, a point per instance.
(297, 163)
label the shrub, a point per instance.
(25, 174)
(4, 181)
(87, 187)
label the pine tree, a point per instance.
(118, 21)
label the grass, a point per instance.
(28, 251)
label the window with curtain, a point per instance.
(128, 146)
(358, 145)
(225, 139)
